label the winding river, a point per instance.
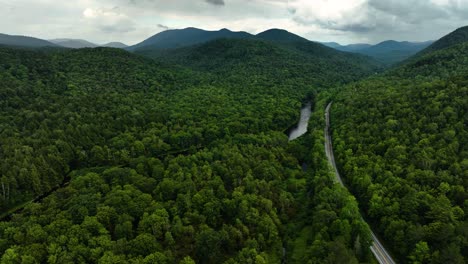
(301, 127)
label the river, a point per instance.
(301, 127)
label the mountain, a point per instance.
(451, 61)
(177, 38)
(280, 35)
(300, 62)
(444, 58)
(354, 47)
(118, 45)
(348, 48)
(388, 52)
(74, 43)
(24, 41)
(460, 35)
(391, 51)
(333, 45)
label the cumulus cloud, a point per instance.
(109, 20)
(331, 14)
(367, 15)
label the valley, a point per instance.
(178, 150)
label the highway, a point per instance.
(377, 248)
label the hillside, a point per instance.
(73, 43)
(391, 52)
(23, 41)
(118, 45)
(401, 141)
(280, 35)
(388, 52)
(269, 62)
(178, 38)
(445, 58)
(445, 63)
(458, 36)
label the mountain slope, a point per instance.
(280, 35)
(458, 36)
(270, 61)
(443, 63)
(333, 45)
(74, 43)
(177, 38)
(118, 45)
(444, 58)
(24, 41)
(391, 51)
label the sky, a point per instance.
(132, 21)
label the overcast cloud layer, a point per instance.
(131, 21)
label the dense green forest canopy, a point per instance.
(280, 62)
(166, 164)
(180, 156)
(402, 143)
(177, 38)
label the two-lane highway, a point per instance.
(377, 248)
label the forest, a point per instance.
(166, 164)
(182, 156)
(402, 143)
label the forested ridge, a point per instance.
(401, 142)
(167, 164)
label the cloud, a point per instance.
(351, 15)
(324, 20)
(109, 20)
(377, 19)
(161, 26)
(215, 2)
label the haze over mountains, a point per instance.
(389, 51)
(23, 41)
(74, 43)
(81, 43)
(31, 42)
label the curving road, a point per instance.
(377, 248)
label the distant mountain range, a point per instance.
(179, 38)
(118, 45)
(11, 40)
(74, 43)
(348, 48)
(30, 42)
(388, 52)
(80, 43)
